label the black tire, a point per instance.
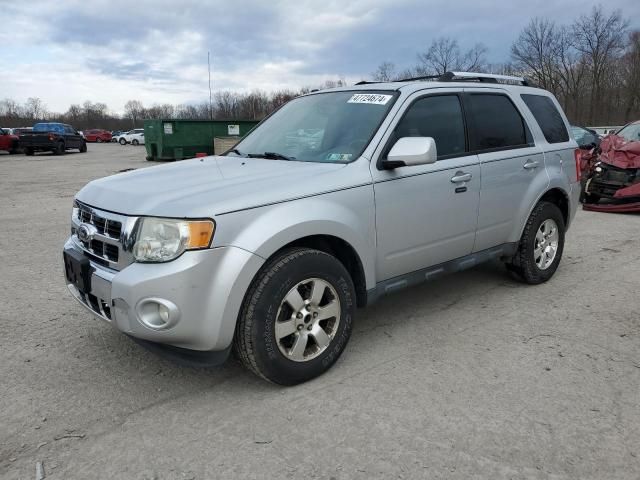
(122, 141)
(135, 142)
(523, 264)
(15, 148)
(83, 147)
(28, 151)
(98, 140)
(59, 149)
(255, 341)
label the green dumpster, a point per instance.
(171, 139)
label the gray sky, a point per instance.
(156, 51)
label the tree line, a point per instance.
(225, 105)
(592, 65)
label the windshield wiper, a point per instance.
(237, 152)
(270, 156)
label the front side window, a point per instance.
(548, 118)
(439, 117)
(497, 123)
(331, 127)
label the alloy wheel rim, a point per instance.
(307, 320)
(546, 244)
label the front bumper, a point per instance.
(207, 286)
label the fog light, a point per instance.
(157, 313)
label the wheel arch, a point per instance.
(343, 251)
(554, 195)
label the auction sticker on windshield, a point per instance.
(370, 98)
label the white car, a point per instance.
(134, 137)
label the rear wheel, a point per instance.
(135, 142)
(98, 140)
(14, 148)
(28, 151)
(59, 149)
(296, 317)
(122, 141)
(83, 147)
(541, 245)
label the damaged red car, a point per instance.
(611, 173)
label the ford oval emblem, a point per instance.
(86, 232)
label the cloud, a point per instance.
(156, 51)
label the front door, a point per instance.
(427, 214)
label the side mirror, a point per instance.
(409, 151)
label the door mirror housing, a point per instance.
(410, 151)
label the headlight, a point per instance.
(163, 239)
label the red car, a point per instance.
(97, 135)
(8, 142)
(611, 173)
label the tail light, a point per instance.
(52, 136)
(577, 153)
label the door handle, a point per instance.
(531, 164)
(461, 177)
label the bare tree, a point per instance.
(536, 50)
(133, 110)
(631, 66)
(34, 108)
(600, 38)
(385, 72)
(444, 55)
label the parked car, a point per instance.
(134, 137)
(585, 137)
(612, 173)
(97, 135)
(269, 249)
(19, 131)
(115, 134)
(52, 137)
(8, 141)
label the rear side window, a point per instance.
(548, 118)
(439, 117)
(497, 123)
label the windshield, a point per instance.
(332, 127)
(631, 132)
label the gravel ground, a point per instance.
(472, 376)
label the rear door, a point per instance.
(426, 214)
(510, 162)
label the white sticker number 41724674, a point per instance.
(371, 98)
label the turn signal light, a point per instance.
(200, 233)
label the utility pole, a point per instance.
(210, 96)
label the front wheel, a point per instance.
(541, 245)
(296, 318)
(135, 142)
(98, 140)
(28, 151)
(83, 147)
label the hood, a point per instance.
(204, 187)
(619, 152)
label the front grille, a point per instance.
(105, 247)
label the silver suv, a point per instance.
(337, 198)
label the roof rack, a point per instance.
(466, 77)
(482, 77)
